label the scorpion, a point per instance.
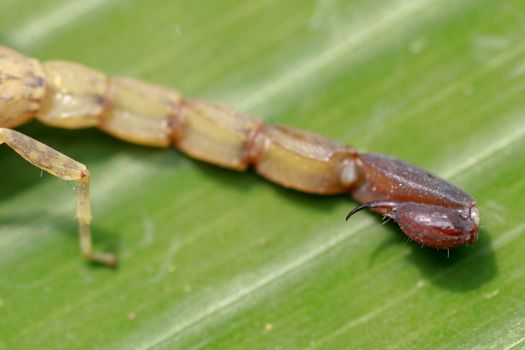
(428, 209)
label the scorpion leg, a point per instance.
(60, 165)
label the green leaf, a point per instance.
(215, 259)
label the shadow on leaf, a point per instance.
(460, 269)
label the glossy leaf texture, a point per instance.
(213, 259)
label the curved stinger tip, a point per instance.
(388, 205)
(358, 208)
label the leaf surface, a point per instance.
(215, 259)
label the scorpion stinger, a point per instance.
(384, 207)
